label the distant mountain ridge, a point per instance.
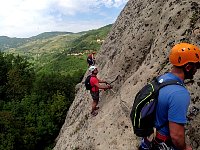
(8, 42)
(49, 35)
(89, 38)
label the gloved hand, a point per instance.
(109, 86)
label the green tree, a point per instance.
(19, 78)
(3, 76)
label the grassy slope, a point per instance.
(62, 63)
(88, 41)
(50, 45)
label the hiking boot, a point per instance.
(94, 113)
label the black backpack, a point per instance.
(144, 107)
(87, 83)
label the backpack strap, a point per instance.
(169, 82)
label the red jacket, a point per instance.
(94, 80)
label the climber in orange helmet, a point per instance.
(174, 100)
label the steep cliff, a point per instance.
(134, 52)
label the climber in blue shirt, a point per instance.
(173, 103)
(174, 100)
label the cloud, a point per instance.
(30, 17)
(77, 6)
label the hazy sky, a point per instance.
(26, 18)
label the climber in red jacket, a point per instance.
(94, 81)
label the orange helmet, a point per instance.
(183, 53)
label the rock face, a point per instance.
(134, 52)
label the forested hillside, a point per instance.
(50, 51)
(91, 40)
(33, 106)
(7, 42)
(37, 87)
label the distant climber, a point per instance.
(91, 59)
(174, 100)
(94, 81)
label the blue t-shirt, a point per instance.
(173, 102)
